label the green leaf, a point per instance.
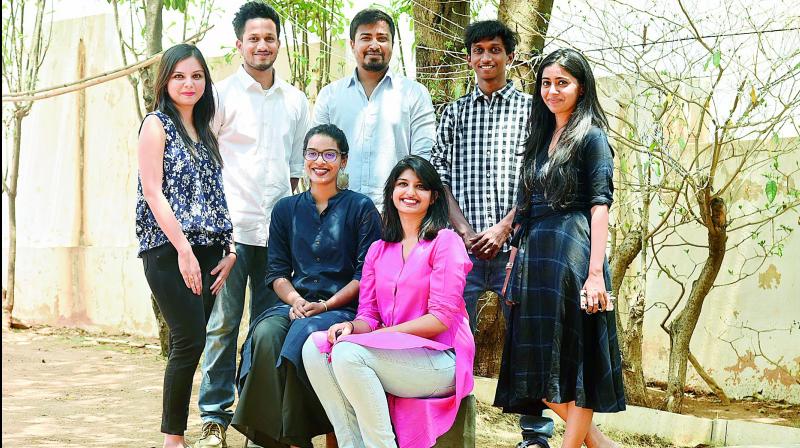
(771, 189)
(717, 58)
(682, 142)
(776, 139)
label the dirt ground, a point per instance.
(68, 388)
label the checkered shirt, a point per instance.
(478, 151)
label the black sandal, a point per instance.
(534, 442)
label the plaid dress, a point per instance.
(553, 350)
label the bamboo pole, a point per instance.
(49, 92)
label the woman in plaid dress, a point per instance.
(560, 352)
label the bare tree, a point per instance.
(699, 120)
(21, 64)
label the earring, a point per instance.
(342, 180)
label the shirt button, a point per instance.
(316, 281)
(317, 259)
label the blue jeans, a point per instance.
(218, 387)
(488, 275)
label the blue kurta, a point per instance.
(320, 253)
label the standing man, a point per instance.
(384, 115)
(478, 150)
(261, 122)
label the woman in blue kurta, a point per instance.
(560, 352)
(318, 240)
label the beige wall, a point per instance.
(77, 266)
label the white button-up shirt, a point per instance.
(396, 120)
(260, 135)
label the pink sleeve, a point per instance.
(448, 277)
(367, 301)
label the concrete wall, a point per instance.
(77, 262)
(76, 243)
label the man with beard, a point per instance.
(384, 115)
(260, 122)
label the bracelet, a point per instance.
(227, 251)
(352, 326)
(324, 303)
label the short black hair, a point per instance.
(332, 131)
(489, 29)
(254, 10)
(436, 217)
(368, 17)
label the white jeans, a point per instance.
(353, 387)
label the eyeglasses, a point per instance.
(328, 156)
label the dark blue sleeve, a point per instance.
(369, 231)
(279, 249)
(599, 169)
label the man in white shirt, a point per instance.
(384, 115)
(260, 123)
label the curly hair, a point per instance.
(254, 10)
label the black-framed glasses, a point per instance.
(329, 155)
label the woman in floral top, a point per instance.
(182, 221)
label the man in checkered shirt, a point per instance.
(478, 151)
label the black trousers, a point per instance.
(186, 315)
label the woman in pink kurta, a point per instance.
(405, 361)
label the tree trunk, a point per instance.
(439, 27)
(681, 329)
(11, 192)
(490, 335)
(530, 19)
(632, 334)
(153, 27)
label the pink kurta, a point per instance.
(393, 291)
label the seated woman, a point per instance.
(318, 240)
(411, 337)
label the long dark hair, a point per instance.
(204, 109)
(560, 176)
(435, 218)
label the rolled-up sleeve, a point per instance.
(451, 265)
(442, 152)
(279, 258)
(367, 297)
(599, 166)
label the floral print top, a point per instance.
(193, 188)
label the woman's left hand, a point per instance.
(596, 297)
(222, 270)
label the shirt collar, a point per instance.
(248, 82)
(504, 92)
(354, 77)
